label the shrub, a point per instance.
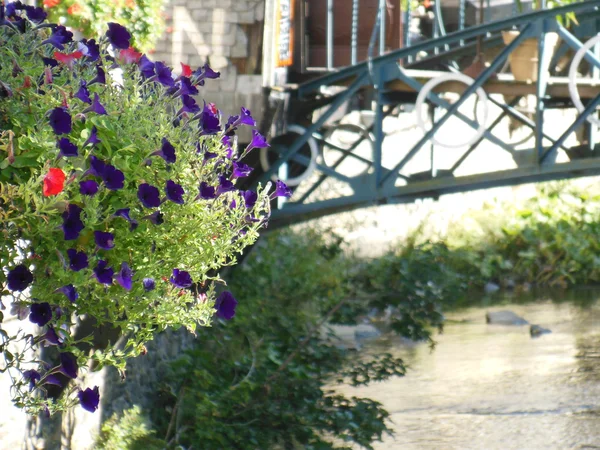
(143, 18)
(117, 201)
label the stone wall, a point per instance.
(228, 34)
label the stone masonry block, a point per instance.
(223, 39)
(259, 11)
(247, 16)
(249, 84)
(218, 62)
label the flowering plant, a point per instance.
(118, 201)
(143, 18)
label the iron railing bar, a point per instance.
(581, 118)
(511, 111)
(326, 170)
(576, 44)
(355, 9)
(330, 34)
(454, 108)
(467, 33)
(478, 141)
(298, 143)
(440, 102)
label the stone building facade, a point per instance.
(229, 35)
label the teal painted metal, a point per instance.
(380, 184)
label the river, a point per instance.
(493, 387)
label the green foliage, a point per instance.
(551, 240)
(143, 18)
(128, 431)
(267, 378)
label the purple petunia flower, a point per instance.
(205, 72)
(67, 148)
(250, 198)
(68, 364)
(49, 62)
(52, 379)
(19, 278)
(60, 36)
(40, 313)
(33, 376)
(174, 192)
(246, 118)
(104, 240)
(118, 36)
(258, 141)
(89, 187)
(12, 8)
(225, 305)
(103, 273)
(149, 195)
(282, 190)
(36, 15)
(83, 93)
(186, 87)
(146, 67)
(181, 279)
(97, 167)
(209, 121)
(72, 223)
(241, 169)
(113, 178)
(89, 48)
(19, 309)
(157, 218)
(89, 399)
(207, 192)
(100, 77)
(163, 74)
(149, 284)
(189, 105)
(166, 152)
(51, 338)
(124, 277)
(77, 260)
(124, 213)
(224, 185)
(93, 139)
(96, 106)
(60, 121)
(209, 155)
(69, 291)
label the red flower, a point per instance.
(67, 58)
(54, 182)
(74, 8)
(129, 56)
(51, 3)
(186, 70)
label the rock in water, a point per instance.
(536, 331)
(504, 318)
(491, 287)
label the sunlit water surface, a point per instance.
(493, 387)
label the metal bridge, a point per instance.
(305, 117)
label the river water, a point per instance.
(493, 387)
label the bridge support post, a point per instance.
(378, 127)
(542, 81)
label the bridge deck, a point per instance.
(502, 83)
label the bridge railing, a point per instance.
(384, 74)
